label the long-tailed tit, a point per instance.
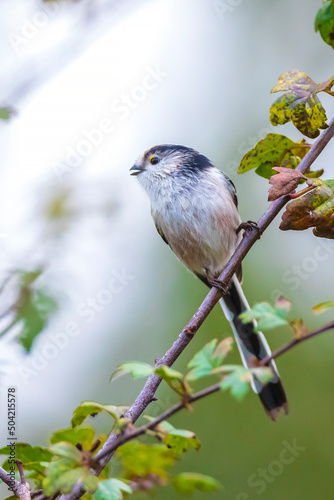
(194, 208)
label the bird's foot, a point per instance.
(220, 285)
(250, 226)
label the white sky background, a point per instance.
(213, 97)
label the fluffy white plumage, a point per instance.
(196, 213)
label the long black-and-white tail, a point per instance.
(252, 344)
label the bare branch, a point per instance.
(20, 489)
(23, 491)
(7, 479)
(191, 398)
(295, 342)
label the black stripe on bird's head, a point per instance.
(170, 159)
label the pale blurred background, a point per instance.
(150, 72)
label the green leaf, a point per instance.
(188, 482)
(324, 23)
(111, 489)
(13, 497)
(27, 454)
(36, 472)
(173, 378)
(300, 104)
(239, 378)
(89, 481)
(237, 382)
(28, 278)
(273, 151)
(121, 424)
(87, 408)
(282, 307)
(32, 307)
(66, 450)
(136, 369)
(315, 174)
(6, 113)
(323, 306)
(141, 459)
(263, 374)
(33, 311)
(180, 440)
(299, 328)
(84, 435)
(268, 316)
(177, 440)
(54, 473)
(63, 474)
(168, 374)
(209, 358)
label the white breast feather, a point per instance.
(198, 220)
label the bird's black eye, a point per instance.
(154, 160)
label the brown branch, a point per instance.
(147, 393)
(295, 342)
(7, 479)
(20, 489)
(21, 471)
(191, 398)
(39, 495)
(23, 491)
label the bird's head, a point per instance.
(168, 160)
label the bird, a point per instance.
(194, 206)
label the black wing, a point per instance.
(231, 187)
(232, 190)
(160, 231)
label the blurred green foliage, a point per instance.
(324, 22)
(31, 309)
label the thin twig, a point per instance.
(147, 393)
(8, 327)
(21, 471)
(191, 398)
(23, 489)
(295, 342)
(203, 393)
(38, 495)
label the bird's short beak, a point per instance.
(137, 170)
